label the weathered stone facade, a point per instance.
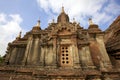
(112, 41)
(63, 51)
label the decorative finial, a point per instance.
(63, 9)
(38, 24)
(19, 36)
(90, 21)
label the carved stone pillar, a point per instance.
(36, 49)
(57, 56)
(13, 55)
(85, 58)
(76, 62)
(88, 57)
(27, 51)
(42, 56)
(104, 55)
(49, 58)
(17, 61)
(7, 58)
(55, 52)
(82, 57)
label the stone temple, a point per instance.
(64, 51)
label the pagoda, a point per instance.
(62, 51)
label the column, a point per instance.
(76, 62)
(105, 58)
(42, 56)
(55, 52)
(13, 55)
(83, 58)
(88, 57)
(27, 51)
(36, 49)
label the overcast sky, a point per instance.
(22, 15)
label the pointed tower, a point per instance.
(90, 22)
(36, 27)
(93, 28)
(19, 36)
(63, 17)
(96, 37)
(62, 51)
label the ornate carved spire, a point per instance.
(63, 17)
(38, 24)
(36, 27)
(90, 21)
(19, 36)
(63, 9)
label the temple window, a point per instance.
(65, 58)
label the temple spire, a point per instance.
(63, 17)
(90, 21)
(63, 9)
(38, 23)
(37, 26)
(19, 36)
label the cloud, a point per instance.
(10, 27)
(113, 8)
(99, 10)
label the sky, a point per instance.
(22, 15)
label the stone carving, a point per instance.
(63, 51)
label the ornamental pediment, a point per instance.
(64, 31)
